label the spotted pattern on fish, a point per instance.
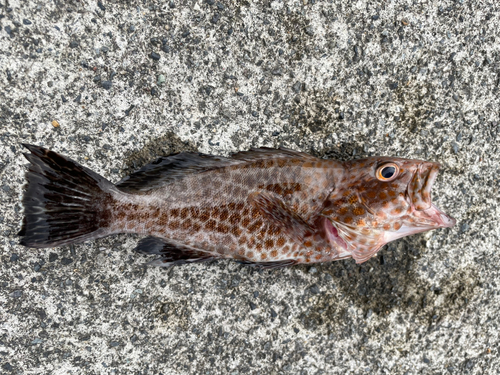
(225, 224)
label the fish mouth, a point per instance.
(428, 215)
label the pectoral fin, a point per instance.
(272, 207)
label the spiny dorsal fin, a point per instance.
(168, 169)
(266, 153)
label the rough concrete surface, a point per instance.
(113, 84)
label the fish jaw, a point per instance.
(424, 215)
(421, 221)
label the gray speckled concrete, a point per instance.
(334, 78)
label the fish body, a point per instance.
(264, 207)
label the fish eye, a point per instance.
(387, 172)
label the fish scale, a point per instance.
(264, 207)
(225, 223)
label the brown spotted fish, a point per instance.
(263, 207)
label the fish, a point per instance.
(264, 207)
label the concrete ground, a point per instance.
(113, 84)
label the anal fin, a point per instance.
(269, 265)
(170, 254)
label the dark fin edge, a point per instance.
(63, 201)
(170, 254)
(267, 152)
(169, 169)
(269, 265)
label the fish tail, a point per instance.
(64, 202)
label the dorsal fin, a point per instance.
(168, 169)
(266, 153)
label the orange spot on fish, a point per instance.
(382, 195)
(255, 213)
(348, 220)
(396, 211)
(186, 224)
(358, 211)
(281, 162)
(245, 222)
(343, 210)
(184, 212)
(280, 241)
(224, 215)
(210, 225)
(215, 213)
(235, 231)
(204, 216)
(371, 194)
(269, 243)
(174, 225)
(274, 254)
(221, 228)
(255, 226)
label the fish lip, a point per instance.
(441, 219)
(419, 194)
(418, 191)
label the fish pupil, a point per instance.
(388, 172)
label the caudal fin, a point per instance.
(64, 202)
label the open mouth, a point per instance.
(419, 192)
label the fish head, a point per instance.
(381, 199)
